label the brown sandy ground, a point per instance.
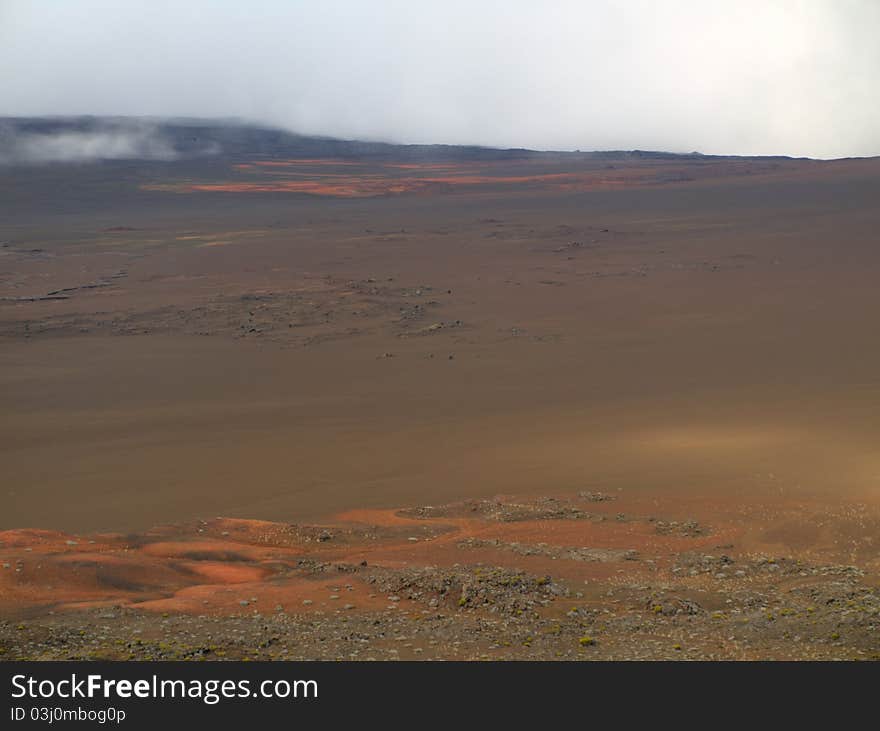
(583, 577)
(165, 355)
(285, 343)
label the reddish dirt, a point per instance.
(210, 566)
(599, 581)
(359, 180)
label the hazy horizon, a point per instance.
(792, 77)
(146, 141)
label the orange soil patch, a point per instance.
(290, 163)
(294, 595)
(229, 566)
(381, 179)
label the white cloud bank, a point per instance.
(797, 77)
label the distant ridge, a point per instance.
(25, 140)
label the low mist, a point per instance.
(124, 141)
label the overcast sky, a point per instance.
(797, 77)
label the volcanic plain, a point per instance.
(557, 406)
